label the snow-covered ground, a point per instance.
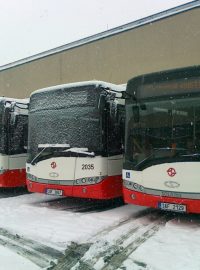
(36, 229)
(174, 247)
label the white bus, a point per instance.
(13, 143)
(76, 140)
(162, 149)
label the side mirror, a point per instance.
(13, 114)
(102, 102)
(13, 117)
(113, 110)
(6, 115)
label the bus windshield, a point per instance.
(164, 130)
(65, 117)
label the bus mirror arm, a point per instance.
(102, 101)
(126, 95)
(13, 119)
(13, 114)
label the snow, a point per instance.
(151, 240)
(175, 247)
(42, 218)
(45, 145)
(16, 263)
(103, 84)
(21, 101)
(80, 151)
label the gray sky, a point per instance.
(32, 26)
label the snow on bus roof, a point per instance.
(109, 86)
(24, 100)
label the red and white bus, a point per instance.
(162, 148)
(13, 143)
(76, 140)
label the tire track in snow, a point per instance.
(149, 213)
(40, 254)
(116, 260)
(113, 253)
(36, 252)
(72, 256)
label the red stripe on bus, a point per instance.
(138, 198)
(13, 178)
(109, 188)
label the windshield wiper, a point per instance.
(191, 155)
(61, 152)
(47, 146)
(156, 150)
(170, 148)
(37, 156)
(83, 151)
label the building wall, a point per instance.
(168, 43)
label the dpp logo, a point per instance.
(53, 165)
(128, 175)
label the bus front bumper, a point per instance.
(109, 188)
(161, 202)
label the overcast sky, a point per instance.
(32, 26)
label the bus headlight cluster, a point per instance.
(89, 180)
(133, 186)
(31, 177)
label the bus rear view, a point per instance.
(76, 140)
(162, 148)
(13, 143)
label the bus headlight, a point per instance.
(83, 180)
(31, 177)
(89, 180)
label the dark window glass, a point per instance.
(3, 129)
(163, 131)
(115, 138)
(65, 116)
(18, 134)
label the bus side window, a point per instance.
(18, 133)
(115, 129)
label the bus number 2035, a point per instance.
(87, 166)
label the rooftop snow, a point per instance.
(24, 100)
(110, 86)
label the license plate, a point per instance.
(172, 207)
(56, 192)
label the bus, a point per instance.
(75, 140)
(13, 142)
(162, 140)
